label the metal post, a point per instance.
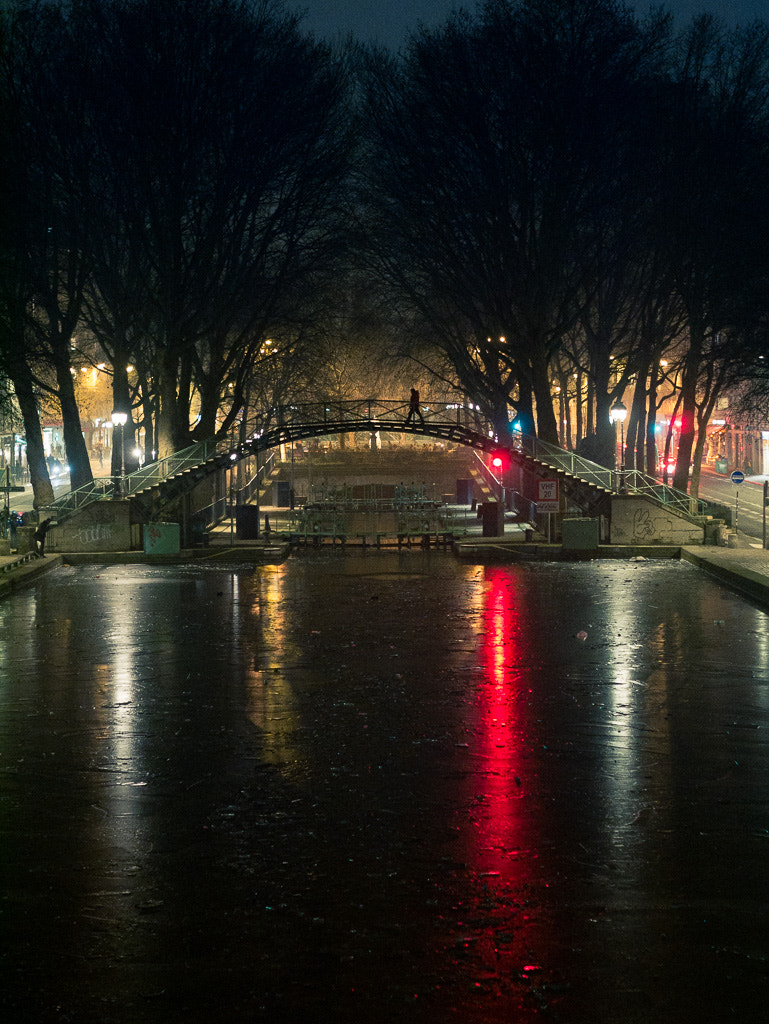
(119, 420)
(232, 510)
(622, 455)
(258, 482)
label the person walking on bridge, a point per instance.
(414, 408)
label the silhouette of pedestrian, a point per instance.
(40, 535)
(414, 408)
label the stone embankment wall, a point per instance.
(636, 519)
(101, 526)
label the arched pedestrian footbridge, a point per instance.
(587, 483)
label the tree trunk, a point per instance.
(167, 406)
(77, 453)
(688, 407)
(651, 424)
(605, 433)
(637, 427)
(525, 409)
(25, 395)
(547, 427)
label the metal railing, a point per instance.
(224, 507)
(628, 481)
(568, 462)
(636, 482)
(376, 410)
(141, 479)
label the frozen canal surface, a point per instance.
(383, 787)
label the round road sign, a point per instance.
(738, 476)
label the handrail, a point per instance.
(630, 481)
(641, 483)
(568, 462)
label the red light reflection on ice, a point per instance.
(498, 792)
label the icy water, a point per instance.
(382, 787)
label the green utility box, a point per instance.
(161, 539)
(579, 534)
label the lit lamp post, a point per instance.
(618, 414)
(119, 419)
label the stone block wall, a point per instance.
(636, 519)
(101, 526)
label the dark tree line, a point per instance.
(544, 191)
(174, 191)
(555, 185)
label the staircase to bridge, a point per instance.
(587, 485)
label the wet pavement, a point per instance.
(383, 786)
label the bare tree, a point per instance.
(493, 155)
(711, 148)
(222, 142)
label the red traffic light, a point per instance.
(500, 461)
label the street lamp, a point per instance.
(618, 414)
(119, 419)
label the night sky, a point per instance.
(389, 21)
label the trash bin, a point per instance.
(464, 491)
(722, 466)
(492, 515)
(247, 522)
(284, 494)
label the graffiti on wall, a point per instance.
(644, 527)
(100, 527)
(95, 533)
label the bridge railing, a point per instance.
(140, 479)
(568, 462)
(66, 504)
(374, 410)
(156, 472)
